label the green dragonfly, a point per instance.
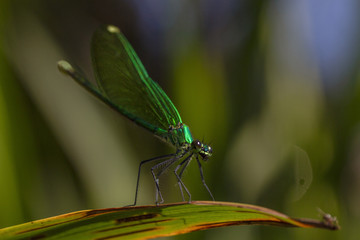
(125, 86)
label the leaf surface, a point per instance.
(146, 222)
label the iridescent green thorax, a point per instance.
(179, 135)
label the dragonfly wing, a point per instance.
(79, 77)
(122, 78)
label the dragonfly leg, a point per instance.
(181, 191)
(163, 166)
(181, 184)
(139, 170)
(158, 192)
(202, 178)
(180, 176)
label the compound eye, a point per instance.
(210, 149)
(197, 144)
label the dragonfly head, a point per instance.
(205, 151)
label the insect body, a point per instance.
(124, 85)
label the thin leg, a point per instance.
(167, 164)
(180, 182)
(180, 176)
(202, 178)
(164, 165)
(158, 192)
(143, 162)
(183, 169)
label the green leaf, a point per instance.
(146, 222)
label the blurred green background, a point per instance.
(273, 86)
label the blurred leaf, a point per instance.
(10, 204)
(145, 222)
